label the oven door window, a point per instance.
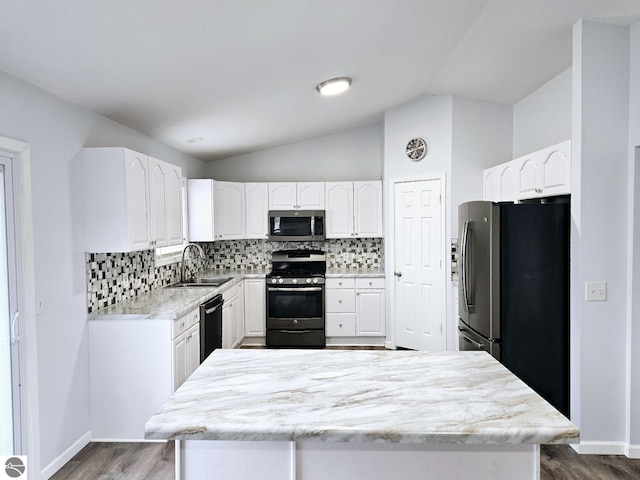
(284, 302)
(290, 226)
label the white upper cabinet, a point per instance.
(127, 200)
(216, 210)
(546, 172)
(339, 209)
(543, 173)
(367, 208)
(174, 205)
(230, 210)
(200, 198)
(292, 195)
(490, 185)
(257, 209)
(353, 209)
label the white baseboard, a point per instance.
(601, 448)
(64, 457)
(633, 451)
(127, 440)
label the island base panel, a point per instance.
(235, 460)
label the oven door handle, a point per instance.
(294, 331)
(294, 289)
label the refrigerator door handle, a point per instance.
(463, 266)
(479, 346)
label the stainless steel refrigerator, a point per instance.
(513, 289)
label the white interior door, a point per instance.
(419, 265)
(10, 419)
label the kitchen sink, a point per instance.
(203, 282)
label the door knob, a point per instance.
(397, 274)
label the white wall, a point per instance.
(351, 155)
(482, 138)
(543, 118)
(599, 208)
(56, 130)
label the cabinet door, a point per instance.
(158, 202)
(137, 174)
(226, 327)
(556, 169)
(282, 196)
(339, 209)
(370, 312)
(490, 185)
(340, 325)
(229, 207)
(257, 209)
(508, 182)
(310, 195)
(174, 205)
(529, 175)
(180, 367)
(193, 349)
(367, 209)
(254, 307)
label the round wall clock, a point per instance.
(416, 149)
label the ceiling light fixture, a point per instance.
(195, 140)
(334, 86)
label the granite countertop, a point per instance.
(358, 396)
(354, 272)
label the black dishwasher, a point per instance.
(210, 326)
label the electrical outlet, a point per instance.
(595, 291)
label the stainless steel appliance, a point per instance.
(513, 290)
(296, 225)
(210, 326)
(295, 299)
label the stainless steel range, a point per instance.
(295, 299)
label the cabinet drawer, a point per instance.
(369, 283)
(340, 324)
(345, 282)
(183, 323)
(231, 292)
(340, 301)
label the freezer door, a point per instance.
(468, 340)
(479, 293)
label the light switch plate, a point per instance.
(595, 291)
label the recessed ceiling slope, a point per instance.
(242, 75)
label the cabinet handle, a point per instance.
(182, 325)
(340, 325)
(339, 301)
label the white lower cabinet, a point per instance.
(370, 306)
(233, 317)
(135, 365)
(254, 307)
(354, 307)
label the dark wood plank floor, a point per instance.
(155, 461)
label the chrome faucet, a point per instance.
(186, 247)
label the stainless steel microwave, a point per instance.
(296, 225)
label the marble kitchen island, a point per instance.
(374, 414)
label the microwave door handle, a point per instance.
(313, 225)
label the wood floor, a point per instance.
(155, 461)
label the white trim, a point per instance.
(632, 451)
(26, 300)
(600, 448)
(65, 456)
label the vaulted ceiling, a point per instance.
(242, 74)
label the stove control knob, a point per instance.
(315, 280)
(273, 280)
(294, 281)
(281, 280)
(308, 280)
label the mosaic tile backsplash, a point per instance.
(116, 277)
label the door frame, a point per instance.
(390, 249)
(30, 411)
